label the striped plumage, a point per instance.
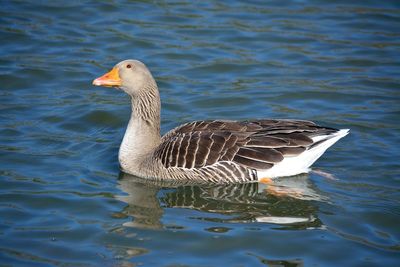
(255, 144)
(210, 151)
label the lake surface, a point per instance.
(63, 200)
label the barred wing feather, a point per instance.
(258, 144)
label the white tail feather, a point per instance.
(301, 163)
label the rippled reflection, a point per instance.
(333, 62)
(289, 202)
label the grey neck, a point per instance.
(142, 135)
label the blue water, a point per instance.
(63, 200)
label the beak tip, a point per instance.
(110, 79)
(96, 82)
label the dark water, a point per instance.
(63, 200)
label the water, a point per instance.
(63, 200)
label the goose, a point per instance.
(210, 151)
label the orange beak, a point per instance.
(110, 79)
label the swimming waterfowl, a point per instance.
(217, 151)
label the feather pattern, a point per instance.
(229, 149)
(210, 151)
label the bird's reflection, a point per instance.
(289, 202)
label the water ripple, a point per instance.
(334, 62)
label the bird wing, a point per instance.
(257, 144)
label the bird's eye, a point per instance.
(128, 66)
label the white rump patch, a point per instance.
(301, 163)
